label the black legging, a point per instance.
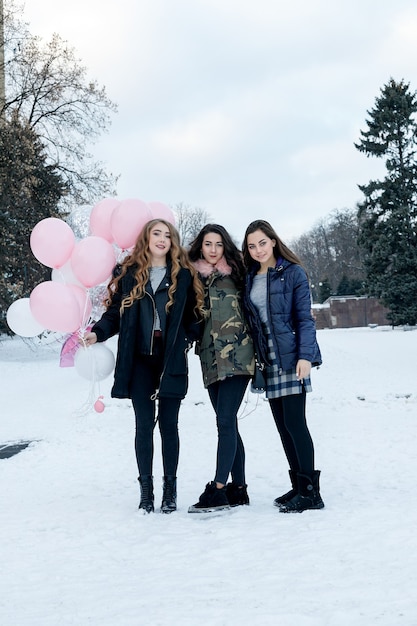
(145, 381)
(226, 397)
(290, 419)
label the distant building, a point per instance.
(349, 312)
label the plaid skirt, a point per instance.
(282, 383)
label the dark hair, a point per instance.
(231, 252)
(280, 249)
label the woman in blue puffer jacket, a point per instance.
(278, 308)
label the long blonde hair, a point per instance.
(142, 259)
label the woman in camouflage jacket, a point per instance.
(227, 360)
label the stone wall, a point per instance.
(349, 312)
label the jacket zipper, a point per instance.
(154, 321)
(279, 271)
(155, 395)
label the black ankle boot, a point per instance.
(308, 494)
(237, 494)
(146, 493)
(291, 493)
(169, 494)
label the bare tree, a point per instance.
(190, 221)
(330, 252)
(47, 88)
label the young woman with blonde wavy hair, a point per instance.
(155, 304)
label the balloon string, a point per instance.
(244, 412)
(88, 405)
(81, 332)
(84, 315)
(85, 321)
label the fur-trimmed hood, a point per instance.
(205, 269)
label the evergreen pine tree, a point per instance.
(325, 290)
(388, 215)
(343, 288)
(29, 192)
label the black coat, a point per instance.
(135, 327)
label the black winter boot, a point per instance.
(237, 494)
(146, 493)
(212, 499)
(308, 495)
(169, 494)
(291, 493)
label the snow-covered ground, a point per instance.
(75, 550)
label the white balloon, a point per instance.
(65, 275)
(95, 362)
(21, 321)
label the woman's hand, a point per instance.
(88, 339)
(302, 369)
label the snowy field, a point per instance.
(76, 551)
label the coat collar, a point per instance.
(206, 269)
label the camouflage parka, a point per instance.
(226, 347)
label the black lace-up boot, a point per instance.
(146, 493)
(169, 494)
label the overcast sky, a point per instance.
(247, 109)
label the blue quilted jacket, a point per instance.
(289, 315)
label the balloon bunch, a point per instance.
(63, 304)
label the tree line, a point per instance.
(332, 257)
(373, 249)
(51, 111)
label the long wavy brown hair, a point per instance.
(141, 260)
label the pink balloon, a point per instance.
(55, 307)
(162, 211)
(84, 303)
(100, 218)
(99, 405)
(52, 242)
(127, 221)
(92, 261)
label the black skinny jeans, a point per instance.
(145, 381)
(290, 418)
(226, 397)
